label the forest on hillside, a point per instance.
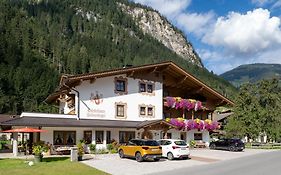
(251, 73)
(41, 40)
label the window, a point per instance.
(120, 110)
(120, 85)
(88, 137)
(64, 138)
(146, 110)
(150, 111)
(125, 136)
(142, 110)
(198, 136)
(99, 137)
(108, 137)
(142, 87)
(146, 88)
(149, 88)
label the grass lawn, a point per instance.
(49, 166)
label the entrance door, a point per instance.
(147, 135)
(183, 136)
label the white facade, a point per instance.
(97, 99)
(106, 107)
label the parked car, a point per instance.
(172, 148)
(141, 149)
(228, 144)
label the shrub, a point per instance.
(192, 143)
(39, 149)
(92, 148)
(102, 151)
(115, 145)
(110, 146)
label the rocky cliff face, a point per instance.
(152, 23)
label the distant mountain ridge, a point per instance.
(252, 73)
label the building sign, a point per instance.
(96, 98)
(96, 113)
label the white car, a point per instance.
(172, 148)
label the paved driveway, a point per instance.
(111, 163)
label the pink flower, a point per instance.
(170, 102)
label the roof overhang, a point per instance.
(70, 122)
(180, 76)
(156, 125)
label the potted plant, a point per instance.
(37, 151)
(192, 143)
(80, 151)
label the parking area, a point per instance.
(111, 163)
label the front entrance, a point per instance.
(183, 136)
(146, 134)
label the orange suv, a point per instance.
(141, 149)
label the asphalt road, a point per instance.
(260, 164)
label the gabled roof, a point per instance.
(168, 67)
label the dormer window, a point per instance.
(120, 85)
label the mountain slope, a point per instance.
(152, 23)
(40, 40)
(252, 73)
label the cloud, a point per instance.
(270, 3)
(169, 8)
(215, 61)
(245, 33)
(218, 62)
(195, 22)
(261, 2)
(277, 4)
(232, 40)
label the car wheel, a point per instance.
(232, 148)
(121, 153)
(170, 156)
(156, 159)
(212, 146)
(138, 157)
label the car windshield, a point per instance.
(151, 143)
(180, 143)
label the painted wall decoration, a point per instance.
(96, 98)
(184, 124)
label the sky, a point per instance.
(227, 33)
